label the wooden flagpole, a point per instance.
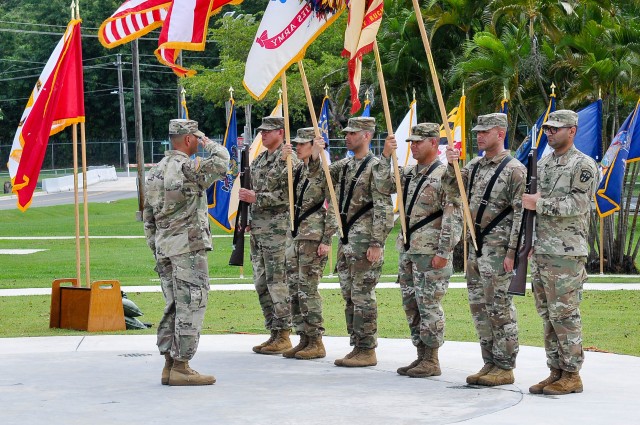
(394, 157)
(445, 120)
(601, 245)
(76, 203)
(287, 139)
(83, 145)
(325, 166)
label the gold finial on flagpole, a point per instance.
(599, 92)
(231, 92)
(366, 94)
(77, 9)
(504, 92)
(463, 89)
(553, 89)
(326, 90)
(414, 94)
(73, 9)
(280, 93)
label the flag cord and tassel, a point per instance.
(394, 157)
(287, 140)
(443, 113)
(325, 166)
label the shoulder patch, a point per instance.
(585, 175)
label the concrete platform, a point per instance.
(116, 380)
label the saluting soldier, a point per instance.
(366, 216)
(434, 223)
(495, 183)
(176, 226)
(269, 223)
(567, 182)
(308, 245)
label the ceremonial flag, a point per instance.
(56, 102)
(456, 121)
(367, 108)
(365, 17)
(609, 194)
(286, 30)
(256, 146)
(219, 194)
(323, 125)
(133, 19)
(403, 152)
(522, 154)
(504, 108)
(588, 139)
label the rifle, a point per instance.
(518, 284)
(237, 255)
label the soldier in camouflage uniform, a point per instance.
(366, 214)
(269, 222)
(567, 181)
(308, 245)
(497, 214)
(176, 226)
(434, 222)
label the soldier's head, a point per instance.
(491, 130)
(272, 132)
(185, 136)
(358, 134)
(561, 127)
(424, 139)
(303, 142)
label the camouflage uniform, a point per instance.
(492, 308)
(269, 220)
(358, 276)
(304, 266)
(176, 226)
(566, 184)
(423, 287)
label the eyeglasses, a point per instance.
(553, 130)
(265, 131)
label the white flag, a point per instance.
(403, 152)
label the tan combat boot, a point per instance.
(473, 379)
(429, 366)
(314, 350)
(339, 362)
(182, 375)
(290, 354)
(421, 350)
(257, 348)
(497, 377)
(569, 383)
(279, 345)
(168, 364)
(553, 377)
(364, 357)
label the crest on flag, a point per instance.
(456, 121)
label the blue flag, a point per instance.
(367, 109)
(323, 125)
(609, 193)
(504, 108)
(522, 154)
(588, 139)
(219, 194)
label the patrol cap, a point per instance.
(424, 130)
(271, 123)
(487, 122)
(182, 126)
(305, 135)
(561, 118)
(360, 124)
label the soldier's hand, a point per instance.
(323, 250)
(317, 148)
(530, 253)
(453, 155)
(529, 200)
(287, 149)
(374, 253)
(438, 262)
(203, 140)
(247, 195)
(390, 145)
(508, 264)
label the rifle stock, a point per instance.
(237, 255)
(518, 284)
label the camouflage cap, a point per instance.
(487, 122)
(305, 135)
(360, 124)
(424, 130)
(271, 123)
(182, 126)
(561, 118)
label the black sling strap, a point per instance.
(426, 220)
(344, 206)
(298, 217)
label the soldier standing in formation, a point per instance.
(566, 185)
(268, 223)
(495, 184)
(176, 227)
(308, 245)
(434, 223)
(366, 215)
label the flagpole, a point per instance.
(287, 140)
(394, 157)
(325, 166)
(601, 245)
(83, 144)
(443, 113)
(76, 203)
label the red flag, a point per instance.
(365, 17)
(133, 19)
(56, 102)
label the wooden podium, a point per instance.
(94, 309)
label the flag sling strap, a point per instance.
(344, 207)
(430, 217)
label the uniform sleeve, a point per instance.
(518, 183)
(578, 200)
(450, 182)
(280, 194)
(204, 172)
(451, 230)
(383, 185)
(149, 221)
